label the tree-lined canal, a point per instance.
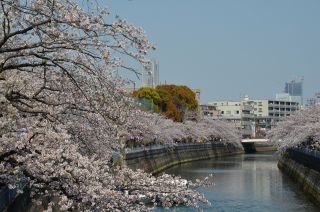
(250, 182)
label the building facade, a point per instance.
(239, 113)
(253, 117)
(287, 97)
(208, 111)
(274, 108)
(268, 112)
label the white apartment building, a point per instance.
(274, 108)
(208, 111)
(268, 112)
(240, 113)
(252, 116)
(227, 108)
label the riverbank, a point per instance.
(303, 166)
(159, 159)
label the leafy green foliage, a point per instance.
(171, 100)
(148, 93)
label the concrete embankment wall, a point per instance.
(265, 147)
(156, 160)
(258, 146)
(303, 166)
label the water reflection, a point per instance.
(250, 182)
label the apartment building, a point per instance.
(274, 108)
(240, 113)
(253, 117)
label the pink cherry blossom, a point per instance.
(299, 130)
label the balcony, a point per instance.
(248, 116)
(246, 108)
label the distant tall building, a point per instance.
(295, 90)
(150, 74)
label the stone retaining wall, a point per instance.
(252, 147)
(264, 147)
(307, 177)
(156, 160)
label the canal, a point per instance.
(249, 182)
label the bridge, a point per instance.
(257, 145)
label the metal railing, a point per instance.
(177, 146)
(307, 157)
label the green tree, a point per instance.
(148, 93)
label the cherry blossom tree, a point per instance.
(299, 130)
(158, 129)
(63, 112)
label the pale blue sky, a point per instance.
(228, 48)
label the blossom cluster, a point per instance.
(301, 129)
(157, 129)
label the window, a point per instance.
(237, 112)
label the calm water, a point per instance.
(250, 182)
